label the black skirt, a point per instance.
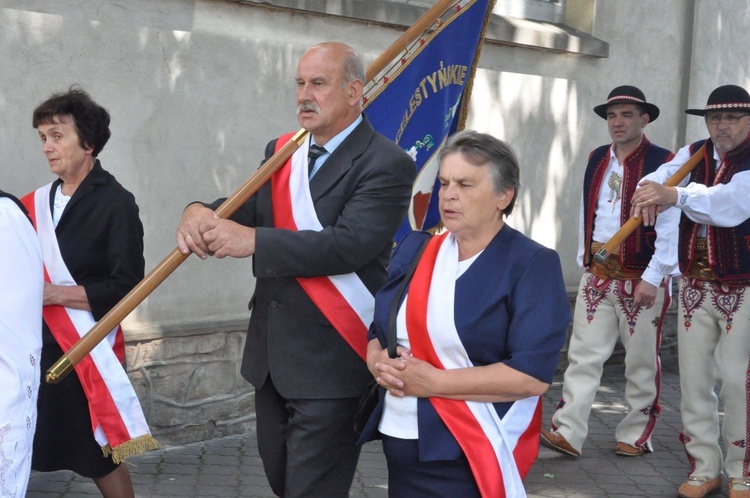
(64, 439)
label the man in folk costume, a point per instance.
(21, 292)
(320, 233)
(627, 296)
(714, 312)
(91, 239)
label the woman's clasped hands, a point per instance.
(404, 375)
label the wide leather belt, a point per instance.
(701, 269)
(701, 244)
(611, 268)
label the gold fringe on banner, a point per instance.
(131, 448)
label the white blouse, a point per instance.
(400, 414)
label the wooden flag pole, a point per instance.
(630, 225)
(98, 332)
(137, 294)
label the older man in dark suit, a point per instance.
(320, 234)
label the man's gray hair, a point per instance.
(354, 67)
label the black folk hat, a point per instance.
(725, 98)
(627, 94)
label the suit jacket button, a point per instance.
(274, 304)
(269, 272)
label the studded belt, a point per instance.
(596, 247)
(701, 269)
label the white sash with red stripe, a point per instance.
(119, 425)
(343, 299)
(499, 451)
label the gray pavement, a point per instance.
(230, 466)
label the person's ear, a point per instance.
(356, 88)
(505, 198)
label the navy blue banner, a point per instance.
(419, 108)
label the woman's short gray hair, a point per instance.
(480, 149)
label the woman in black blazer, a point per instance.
(95, 233)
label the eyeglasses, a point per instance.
(731, 119)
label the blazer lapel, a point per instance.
(96, 177)
(340, 161)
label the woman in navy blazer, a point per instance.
(479, 332)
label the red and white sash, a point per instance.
(119, 425)
(500, 451)
(343, 299)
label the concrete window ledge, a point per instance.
(502, 30)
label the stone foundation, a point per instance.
(189, 382)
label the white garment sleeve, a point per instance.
(665, 259)
(21, 295)
(723, 205)
(581, 237)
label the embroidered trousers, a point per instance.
(714, 347)
(603, 313)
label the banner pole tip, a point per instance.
(600, 256)
(58, 371)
